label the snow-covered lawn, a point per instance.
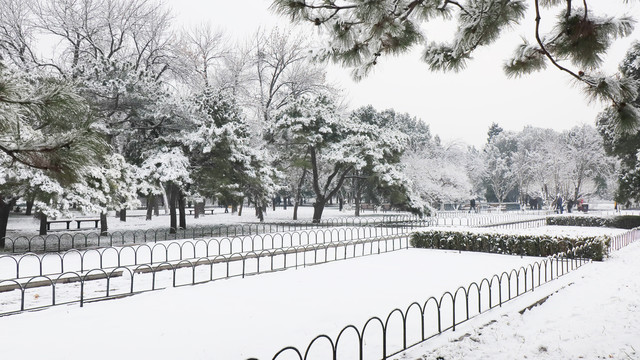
(596, 315)
(239, 318)
(256, 316)
(21, 224)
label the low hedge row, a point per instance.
(593, 247)
(621, 222)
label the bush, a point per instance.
(593, 247)
(621, 222)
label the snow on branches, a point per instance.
(359, 32)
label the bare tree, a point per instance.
(282, 71)
(203, 51)
(16, 32)
(135, 31)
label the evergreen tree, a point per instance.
(334, 146)
(360, 32)
(624, 145)
(46, 135)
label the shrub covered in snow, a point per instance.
(621, 222)
(592, 247)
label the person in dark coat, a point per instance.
(559, 204)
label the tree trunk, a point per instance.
(151, 203)
(295, 211)
(357, 196)
(241, 206)
(123, 215)
(172, 202)
(30, 202)
(183, 212)
(165, 199)
(318, 208)
(156, 206)
(103, 224)
(5, 210)
(298, 201)
(43, 224)
(259, 211)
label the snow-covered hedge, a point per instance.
(592, 247)
(621, 222)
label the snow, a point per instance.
(256, 316)
(554, 231)
(20, 224)
(595, 315)
(240, 318)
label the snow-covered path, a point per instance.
(240, 318)
(596, 315)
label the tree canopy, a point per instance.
(359, 32)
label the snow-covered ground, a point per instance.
(21, 224)
(252, 317)
(595, 315)
(255, 317)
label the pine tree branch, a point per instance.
(14, 154)
(552, 59)
(446, 2)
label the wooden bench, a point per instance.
(385, 207)
(96, 221)
(68, 222)
(191, 211)
(364, 207)
(49, 222)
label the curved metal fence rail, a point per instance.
(80, 240)
(31, 264)
(403, 329)
(99, 284)
(621, 240)
(519, 224)
(482, 220)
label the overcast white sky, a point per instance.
(458, 106)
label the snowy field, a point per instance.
(595, 315)
(252, 317)
(21, 224)
(239, 318)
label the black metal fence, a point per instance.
(100, 284)
(31, 264)
(519, 224)
(80, 240)
(403, 329)
(621, 240)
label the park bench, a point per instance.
(49, 222)
(191, 211)
(364, 207)
(96, 222)
(68, 222)
(385, 207)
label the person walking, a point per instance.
(559, 203)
